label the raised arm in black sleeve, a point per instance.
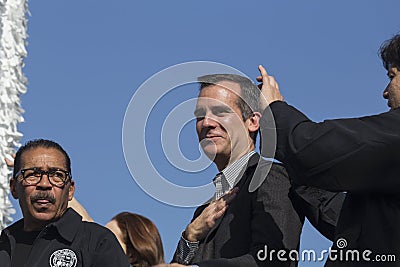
(337, 155)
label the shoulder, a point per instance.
(10, 231)
(101, 246)
(71, 226)
(277, 169)
(17, 226)
(97, 237)
(95, 229)
(269, 175)
(267, 167)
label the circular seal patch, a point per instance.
(63, 258)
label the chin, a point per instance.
(44, 216)
(210, 150)
(48, 214)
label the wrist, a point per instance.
(190, 234)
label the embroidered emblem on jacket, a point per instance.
(63, 258)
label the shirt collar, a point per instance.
(232, 172)
(67, 224)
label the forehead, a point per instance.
(42, 157)
(225, 92)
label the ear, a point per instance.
(254, 122)
(13, 185)
(71, 190)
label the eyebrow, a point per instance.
(199, 112)
(221, 108)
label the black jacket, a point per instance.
(69, 239)
(268, 216)
(360, 156)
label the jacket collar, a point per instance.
(254, 159)
(66, 226)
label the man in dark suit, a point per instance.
(251, 215)
(359, 155)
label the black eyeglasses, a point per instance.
(33, 176)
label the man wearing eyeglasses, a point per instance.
(50, 234)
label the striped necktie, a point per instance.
(219, 191)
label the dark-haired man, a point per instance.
(251, 209)
(358, 155)
(50, 234)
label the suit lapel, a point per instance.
(239, 181)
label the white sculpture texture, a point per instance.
(13, 34)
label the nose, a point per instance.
(385, 93)
(209, 122)
(44, 183)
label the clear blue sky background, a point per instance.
(87, 58)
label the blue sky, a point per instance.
(86, 59)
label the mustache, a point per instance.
(43, 195)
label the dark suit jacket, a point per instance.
(360, 156)
(261, 217)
